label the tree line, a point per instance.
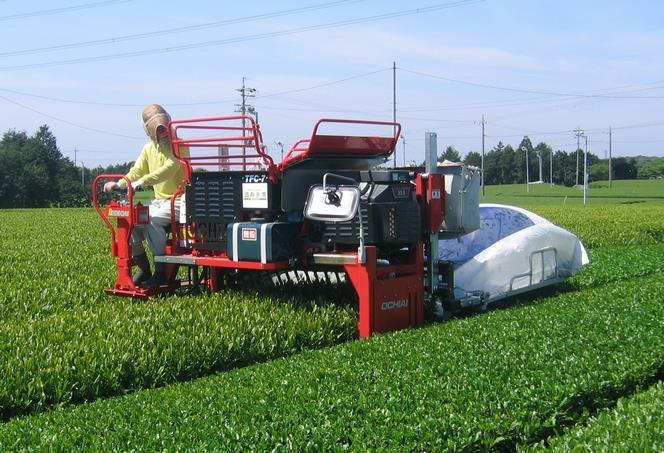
(504, 164)
(34, 173)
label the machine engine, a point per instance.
(390, 210)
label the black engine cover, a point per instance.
(215, 199)
(390, 210)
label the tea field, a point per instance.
(577, 367)
(599, 193)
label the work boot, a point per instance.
(144, 272)
(158, 278)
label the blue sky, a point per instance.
(516, 62)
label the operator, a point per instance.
(156, 166)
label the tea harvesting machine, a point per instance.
(333, 204)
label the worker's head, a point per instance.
(155, 122)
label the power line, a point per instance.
(478, 105)
(638, 141)
(504, 103)
(635, 126)
(171, 31)
(74, 101)
(520, 90)
(326, 84)
(437, 120)
(100, 131)
(442, 138)
(322, 109)
(572, 102)
(529, 101)
(186, 104)
(563, 132)
(245, 38)
(47, 12)
(94, 151)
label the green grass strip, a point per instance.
(635, 424)
(504, 378)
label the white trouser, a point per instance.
(154, 233)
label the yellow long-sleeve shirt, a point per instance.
(156, 166)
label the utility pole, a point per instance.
(585, 171)
(74, 157)
(280, 145)
(525, 149)
(252, 110)
(394, 103)
(539, 158)
(245, 92)
(610, 167)
(482, 164)
(403, 141)
(551, 168)
(579, 132)
(83, 175)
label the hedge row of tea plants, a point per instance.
(635, 424)
(80, 355)
(52, 260)
(600, 225)
(62, 340)
(508, 377)
(613, 263)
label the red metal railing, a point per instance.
(191, 138)
(344, 145)
(301, 146)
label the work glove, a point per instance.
(136, 184)
(110, 186)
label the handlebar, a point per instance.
(102, 214)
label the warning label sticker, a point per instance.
(249, 234)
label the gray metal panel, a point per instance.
(333, 258)
(431, 152)
(175, 260)
(431, 164)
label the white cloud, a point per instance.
(378, 46)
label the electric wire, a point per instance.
(245, 38)
(638, 141)
(171, 31)
(313, 87)
(185, 104)
(520, 90)
(47, 12)
(80, 126)
(325, 84)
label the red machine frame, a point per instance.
(390, 297)
(127, 215)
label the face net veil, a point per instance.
(154, 116)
